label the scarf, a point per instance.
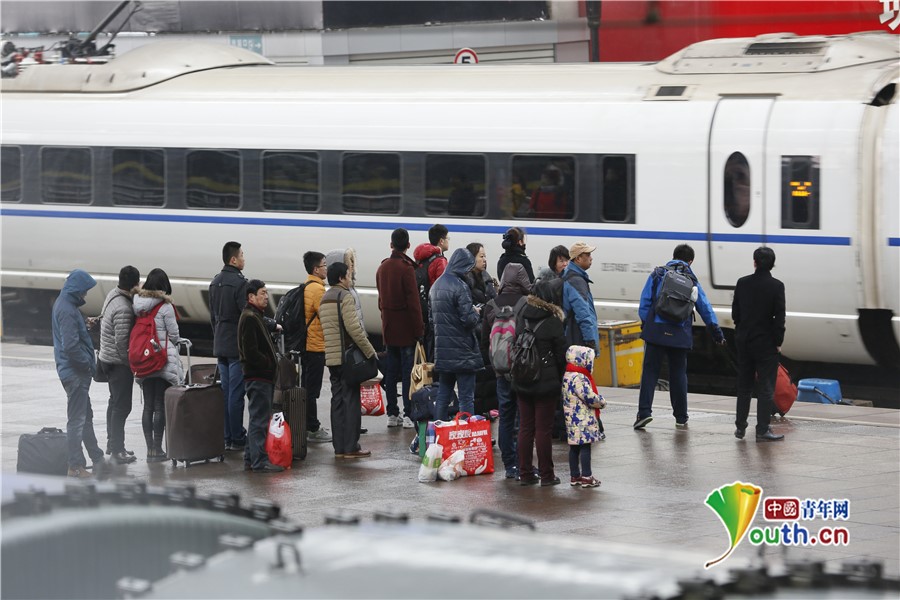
(570, 368)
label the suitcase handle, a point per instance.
(187, 345)
(51, 430)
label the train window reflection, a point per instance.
(138, 177)
(736, 189)
(213, 179)
(543, 187)
(800, 192)
(66, 175)
(455, 185)
(371, 183)
(10, 174)
(290, 181)
(618, 189)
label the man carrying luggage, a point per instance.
(117, 318)
(258, 364)
(75, 365)
(758, 314)
(674, 339)
(227, 298)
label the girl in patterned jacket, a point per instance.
(581, 405)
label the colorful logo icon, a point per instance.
(735, 505)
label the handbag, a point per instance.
(356, 367)
(101, 375)
(422, 372)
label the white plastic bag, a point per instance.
(276, 425)
(430, 463)
(452, 468)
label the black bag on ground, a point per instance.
(45, 452)
(424, 403)
(674, 299)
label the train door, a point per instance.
(737, 153)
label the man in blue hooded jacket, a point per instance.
(75, 365)
(664, 337)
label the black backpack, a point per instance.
(424, 284)
(291, 315)
(674, 298)
(526, 362)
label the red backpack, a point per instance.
(145, 354)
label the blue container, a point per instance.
(820, 391)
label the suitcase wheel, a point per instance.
(174, 463)
(221, 458)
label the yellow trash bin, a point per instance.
(621, 356)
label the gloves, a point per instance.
(602, 402)
(590, 344)
(717, 335)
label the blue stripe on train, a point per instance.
(459, 227)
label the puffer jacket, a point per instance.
(348, 257)
(436, 267)
(339, 298)
(578, 304)
(312, 297)
(73, 350)
(166, 329)
(580, 400)
(456, 347)
(551, 346)
(227, 298)
(482, 285)
(115, 326)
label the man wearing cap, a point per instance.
(578, 303)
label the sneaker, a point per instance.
(589, 482)
(529, 479)
(320, 436)
(394, 421)
(549, 482)
(641, 422)
(232, 447)
(681, 426)
(512, 472)
(414, 445)
(357, 454)
(269, 468)
(123, 458)
(79, 473)
(602, 436)
(573, 481)
(408, 423)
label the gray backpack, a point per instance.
(674, 298)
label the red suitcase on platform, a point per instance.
(195, 421)
(785, 392)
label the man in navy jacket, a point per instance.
(674, 340)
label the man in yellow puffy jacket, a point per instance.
(313, 361)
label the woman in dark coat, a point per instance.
(514, 252)
(537, 400)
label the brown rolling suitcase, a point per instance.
(290, 398)
(208, 373)
(195, 421)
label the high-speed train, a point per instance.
(160, 156)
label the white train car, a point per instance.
(162, 155)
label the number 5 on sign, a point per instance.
(466, 56)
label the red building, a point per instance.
(651, 30)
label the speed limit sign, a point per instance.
(466, 56)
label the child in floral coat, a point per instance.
(581, 404)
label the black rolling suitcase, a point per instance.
(45, 452)
(195, 421)
(290, 398)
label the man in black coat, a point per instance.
(758, 314)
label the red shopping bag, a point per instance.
(472, 437)
(278, 442)
(371, 397)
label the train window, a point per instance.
(617, 201)
(736, 189)
(371, 183)
(10, 174)
(138, 177)
(543, 187)
(66, 175)
(455, 184)
(213, 179)
(290, 181)
(800, 192)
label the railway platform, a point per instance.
(655, 482)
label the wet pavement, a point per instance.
(654, 485)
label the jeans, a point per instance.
(509, 416)
(80, 421)
(580, 454)
(653, 355)
(121, 389)
(535, 422)
(346, 413)
(399, 368)
(749, 365)
(466, 384)
(313, 369)
(233, 388)
(259, 403)
(153, 418)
